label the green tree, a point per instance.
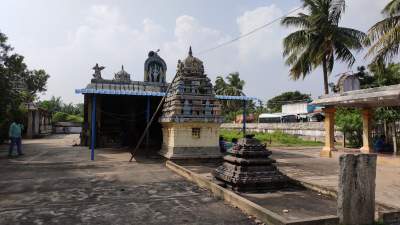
(18, 85)
(53, 105)
(61, 111)
(232, 86)
(385, 74)
(350, 123)
(384, 36)
(320, 40)
(379, 74)
(275, 104)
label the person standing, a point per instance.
(15, 134)
(222, 145)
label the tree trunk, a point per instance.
(325, 70)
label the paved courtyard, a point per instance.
(305, 164)
(55, 183)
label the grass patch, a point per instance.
(272, 139)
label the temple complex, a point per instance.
(191, 114)
(118, 110)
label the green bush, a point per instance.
(74, 118)
(274, 139)
(65, 117)
(60, 117)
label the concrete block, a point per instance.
(356, 190)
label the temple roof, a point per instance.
(141, 91)
(193, 64)
(371, 97)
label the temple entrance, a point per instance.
(122, 120)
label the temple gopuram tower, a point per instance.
(191, 114)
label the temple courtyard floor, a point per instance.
(55, 183)
(305, 165)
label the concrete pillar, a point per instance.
(367, 126)
(356, 189)
(89, 131)
(29, 128)
(329, 124)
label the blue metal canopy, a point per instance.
(151, 93)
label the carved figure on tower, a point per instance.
(97, 71)
(155, 68)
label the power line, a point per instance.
(248, 33)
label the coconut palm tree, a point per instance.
(220, 86)
(384, 36)
(320, 40)
(233, 87)
(235, 84)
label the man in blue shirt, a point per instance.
(380, 144)
(15, 134)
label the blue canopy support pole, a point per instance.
(147, 120)
(244, 118)
(93, 124)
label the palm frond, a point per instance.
(384, 39)
(295, 42)
(336, 10)
(300, 21)
(351, 38)
(387, 47)
(301, 66)
(392, 8)
(343, 54)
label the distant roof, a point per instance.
(371, 97)
(150, 93)
(270, 115)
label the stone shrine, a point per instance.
(123, 106)
(191, 114)
(248, 168)
(155, 68)
(122, 76)
(348, 82)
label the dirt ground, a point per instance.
(55, 183)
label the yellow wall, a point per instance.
(180, 135)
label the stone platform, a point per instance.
(292, 205)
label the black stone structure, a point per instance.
(248, 168)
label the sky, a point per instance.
(68, 37)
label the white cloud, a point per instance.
(104, 36)
(266, 43)
(190, 32)
(362, 14)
